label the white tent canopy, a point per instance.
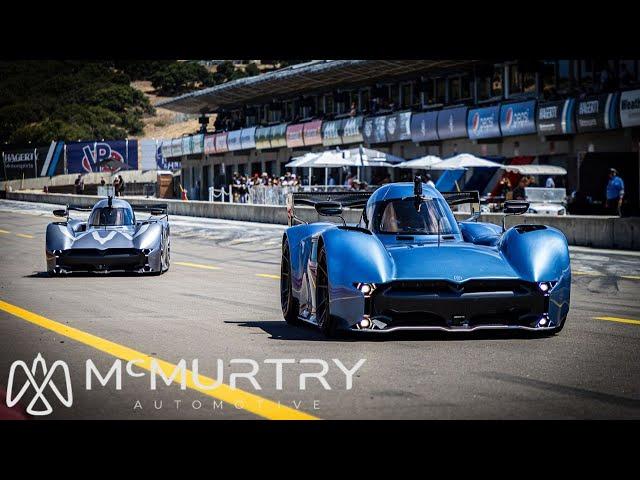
(535, 169)
(302, 161)
(464, 161)
(425, 162)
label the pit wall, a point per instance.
(588, 231)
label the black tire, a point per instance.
(289, 304)
(325, 320)
(166, 256)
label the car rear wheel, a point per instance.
(288, 302)
(323, 308)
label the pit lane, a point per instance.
(220, 300)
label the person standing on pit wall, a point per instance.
(615, 193)
(79, 185)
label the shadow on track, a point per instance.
(280, 330)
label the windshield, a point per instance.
(103, 217)
(401, 216)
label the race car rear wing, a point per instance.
(342, 199)
(461, 198)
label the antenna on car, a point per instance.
(417, 191)
(110, 200)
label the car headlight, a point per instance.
(366, 288)
(546, 287)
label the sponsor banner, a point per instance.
(248, 138)
(263, 141)
(187, 145)
(598, 112)
(148, 151)
(556, 118)
(51, 159)
(85, 157)
(398, 127)
(352, 131)
(630, 108)
(484, 123)
(424, 127)
(233, 140)
(452, 123)
(21, 163)
(294, 135)
(209, 144)
(312, 133)
(221, 142)
(332, 132)
(278, 135)
(197, 144)
(374, 129)
(518, 118)
(166, 148)
(163, 155)
(176, 147)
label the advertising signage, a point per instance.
(248, 138)
(20, 163)
(176, 147)
(294, 135)
(483, 123)
(556, 118)
(630, 108)
(424, 127)
(221, 142)
(262, 138)
(279, 135)
(332, 132)
(196, 146)
(209, 144)
(598, 112)
(374, 129)
(312, 133)
(233, 140)
(398, 127)
(452, 123)
(352, 132)
(518, 118)
(85, 157)
(186, 145)
(166, 148)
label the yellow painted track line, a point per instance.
(268, 275)
(5, 231)
(24, 235)
(630, 277)
(250, 402)
(196, 265)
(619, 320)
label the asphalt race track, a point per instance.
(220, 301)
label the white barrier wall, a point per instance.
(588, 231)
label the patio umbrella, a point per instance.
(464, 161)
(535, 169)
(302, 161)
(425, 162)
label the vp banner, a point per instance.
(85, 157)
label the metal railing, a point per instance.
(267, 195)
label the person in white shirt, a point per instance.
(550, 183)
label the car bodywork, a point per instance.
(546, 201)
(122, 245)
(474, 276)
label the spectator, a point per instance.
(331, 181)
(121, 185)
(625, 76)
(116, 186)
(505, 187)
(615, 193)
(79, 185)
(550, 183)
(102, 182)
(428, 180)
(353, 112)
(518, 192)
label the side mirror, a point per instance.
(329, 209)
(515, 207)
(60, 213)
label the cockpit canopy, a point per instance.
(428, 216)
(111, 217)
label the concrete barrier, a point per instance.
(588, 231)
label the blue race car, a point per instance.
(409, 265)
